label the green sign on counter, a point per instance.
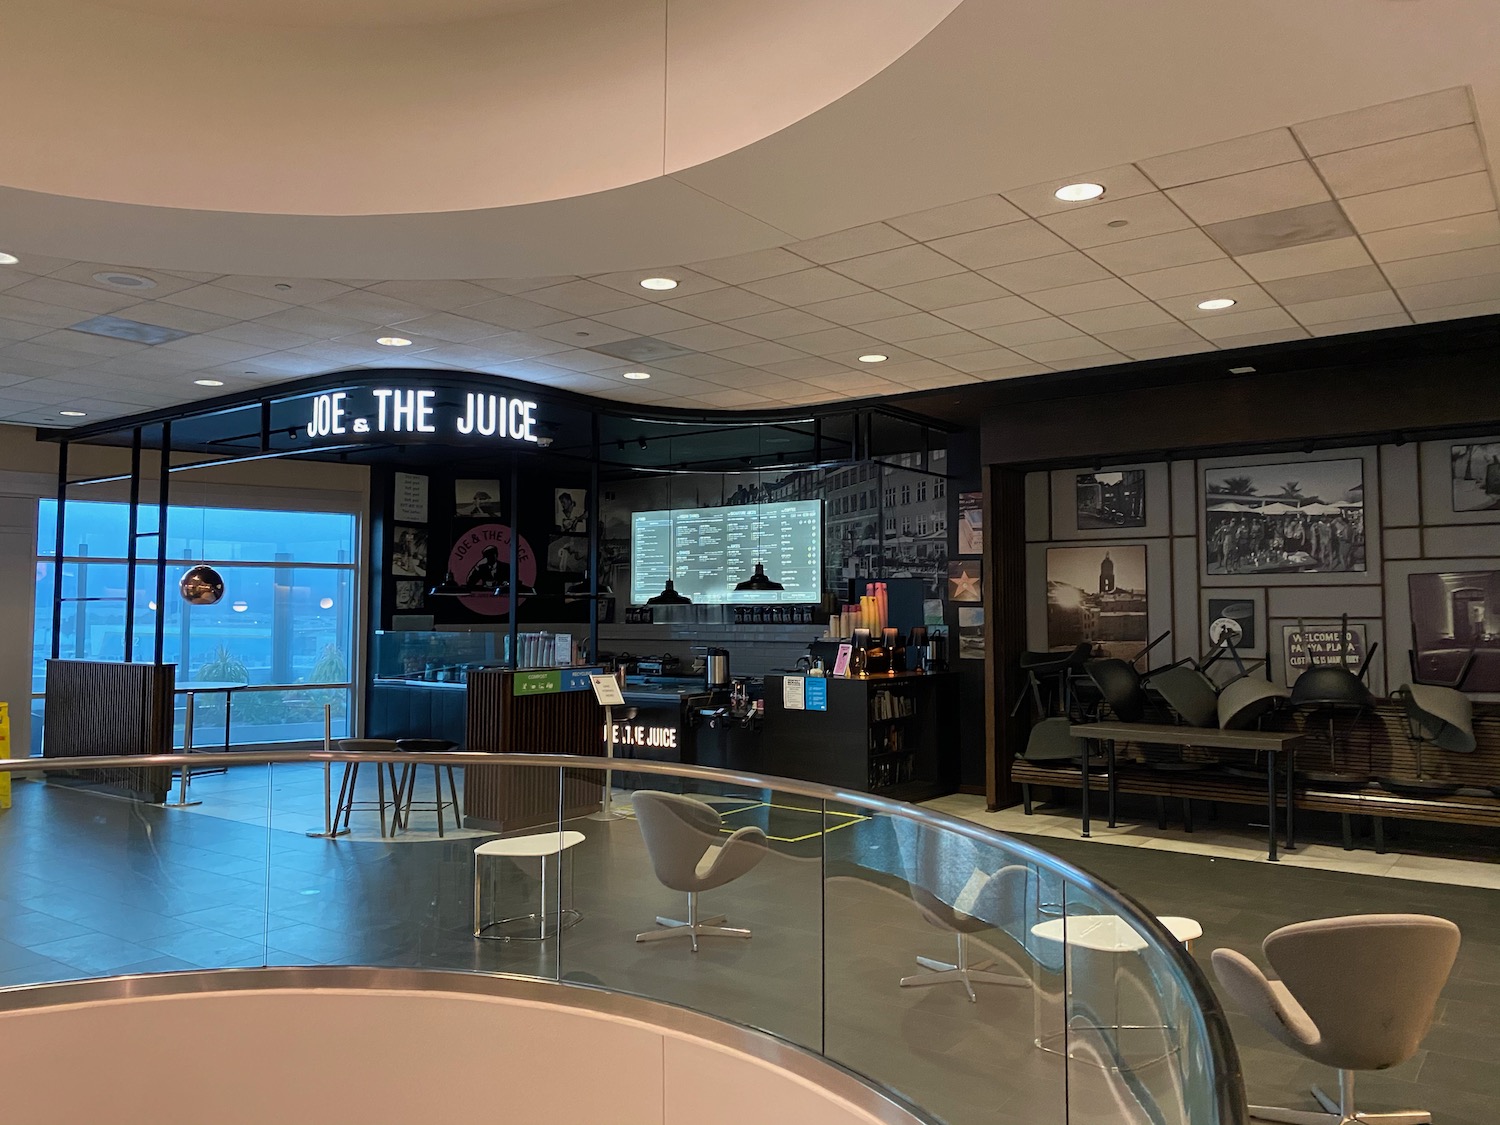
(537, 683)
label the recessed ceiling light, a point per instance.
(394, 341)
(325, 603)
(1242, 371)
(637, 374)
(240, 607)
(1216, 303)
(209, 382)
(1079, 193)
(72, 413)
(873, 357)
(659, 283)
(8, 259)
(121, 280)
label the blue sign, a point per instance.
(815, 693)
(577, 679)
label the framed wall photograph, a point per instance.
(1109, 500)
(1309, 644)
(970, 523)
(1097, 595)
(1453, 614)
(965, 580)
(1474, 477)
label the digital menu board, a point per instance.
(708, 551)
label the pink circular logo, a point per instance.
(481, 557)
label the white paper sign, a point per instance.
(607, 690)
(411, 497)
(793, 693)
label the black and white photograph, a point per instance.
(1110, 500)
(476, 498)
(1476, 477)
(409, 552)
(568, 554)
(1452, 615)
(965, 580)
(1097, 595)
(1239, 611)
(971, 632)
(1296, 518)
(409, 594)
(1309, 644)
(971, 523)
(570, 508)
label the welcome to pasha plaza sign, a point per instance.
(394, 411)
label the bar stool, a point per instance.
(350, 780)
(408, 783)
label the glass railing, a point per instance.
(968, 973)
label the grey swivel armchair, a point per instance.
(1355, 993)
(690, 853)
(976, 906)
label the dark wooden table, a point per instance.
(1269, 743)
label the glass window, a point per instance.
(940, 488)
(286, 620)
(906, 494)
(921, 490)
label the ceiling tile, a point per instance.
(40, 264)
(989, 359)
(1171, 351)
(513, 285)
(213, 350)
(1159, 252)
(780, 324)
(987, 314)
(947, 345)
(230, 302)
(1225, 158)
(1051, 272)
(53, 355)
(649, 320)
(1385, 122)
(521, 345)
(447, 295)
(1456, 312)
(1139, 217)
(449, 327)
(258, 332)
(956, 218)
(1233, 323)
(1324, 286)
(806, 286)
(583, 298)
(726, 398)
(1421, 203)
(1216, 274)
(806, 367)
(901, 266)
(1245, 298)
(1410, 160)
(1347, 308)
(912, 326)
(70, 295)
(752, 266)
(832, 341)
(1089, 295)
(695, 363)
(1441, 237)
(1260, 192)
(1421, 271)
(1118, 318)
(764, 382)
(515, 312)
(1078, 363)
(287, 290)
(629, 282)
(309, 321)
(1276, 230)
(86, 342)
(1150, 336)
(861, 382)
(852, 243)
(371, 309)
(1313, 257)
(580, 359)
(1362, 324)
(1120, 182)
(997, 246)
(945, 292)
(859, 309)
(83, 274)
(11, 276)
(728, 303)
(584, 333)
(19, 330)
(1074, 347)
(1029, 332)
(1461, 291)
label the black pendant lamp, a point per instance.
(669, 596)
(447, 588)
(758, 582)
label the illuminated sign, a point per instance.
(660, 738)
(394, 411)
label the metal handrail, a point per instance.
(1229, 1089)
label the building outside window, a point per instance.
(285, 624)
(921, 490)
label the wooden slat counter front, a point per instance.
(532, 711)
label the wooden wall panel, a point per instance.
(99, 709)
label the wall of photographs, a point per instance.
(1403, 539)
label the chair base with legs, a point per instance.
(346, 803)
(963, 971)
(406, 793)
(1355, 993)
(693, 927)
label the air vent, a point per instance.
(124, 280)
(640, 349)
(118, 328)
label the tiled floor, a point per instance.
(92, 885)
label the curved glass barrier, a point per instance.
(968, 973)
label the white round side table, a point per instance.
(541, 924)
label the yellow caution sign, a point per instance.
(4, 753)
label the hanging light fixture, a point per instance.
(758, 582)
(447, 588)
(669, 594)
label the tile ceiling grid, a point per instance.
(1368, 219)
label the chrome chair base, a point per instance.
(693, 928)
(1341, 1112)
(962, 972)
